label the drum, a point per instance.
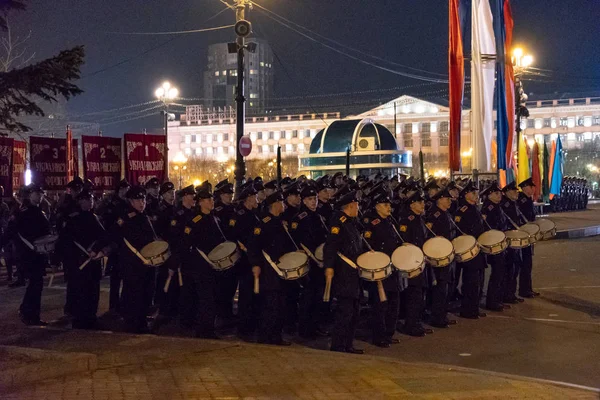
(224, 256)
(518, 239)
(293, 265)
(374, 266)
(534, 232)
(547, 228)
(45, 244)
(438, 251)
(319, 252)
(465, 248)
(409, 260)
(492, 242)
(157, 253)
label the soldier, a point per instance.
(5, 248)
(84, 244)
(30, 224)
(431, 188)
(309, 232)
(527, 210)
(270, 188)
(344, 239)
(324, 207)
(382, 236)
(495, 219)
(271, 238)
(165, 214)
(514, 257)
(439, 220)
(292, 203)
(470, 221)
(153, 199)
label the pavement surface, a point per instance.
(575, 224)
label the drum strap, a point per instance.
(81, 248)
(152, 227)
(347, 260)
(311, 255)
(510, 220)
(290, 236)
(272, 264)
(219, 227)
(206, 258)
(27, 242)
(137, 253)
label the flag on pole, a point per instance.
(509, 81)
(551, 168)
(546, 181)
(557, 172)
(523, 161)
(69, 152)
(502, 105)
(535, 171)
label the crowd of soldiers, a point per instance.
(268, 220)
(574, 195)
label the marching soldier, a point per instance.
(382, 236)
(469, 220)
(153, 199)
(345, 240)
(514, 257)
(324, 207)
(527, 209)
(439, 220)
(431, 188)
(271, 238)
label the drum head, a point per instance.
(407, 257)
(517, 234)
(545, 225)
(491, 237)
(373, 260)
(319, 252)
(222, 250)
(464, 243)
(154, 248)
(438, 247)
(532, 229)
(292, 260)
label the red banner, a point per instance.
(144, 157)
(48, 162)
(6, 163)
(102, 161)
(18, 168)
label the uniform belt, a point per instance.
(137, 253)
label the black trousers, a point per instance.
(116, 277)
(414, 305)
(455, 272)
(198, 307)
(138, 291)
(32, 301)
(293, 292)
(313, 311)
(470, 289)
(248, 309)
(496, 284)
(227, 284)
(513, 266)
(385, 314)
(85, 285)
(525, 281)
(273, 304)
(346, 315)
(167, 303)
(439, 294)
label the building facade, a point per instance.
(220, 78)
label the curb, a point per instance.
(578, 232)
(34, 365)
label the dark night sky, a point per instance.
(563, 36)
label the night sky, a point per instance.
(561, 34)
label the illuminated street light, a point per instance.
(166, 93)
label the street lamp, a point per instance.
(166, 93)
(180, 166)
(521, 62)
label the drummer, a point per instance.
(439, 220)
(514, 259)
(382, 236)
(413, 230)
(469, 220)
(495, 218)
(526, 206)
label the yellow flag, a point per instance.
(523, 160)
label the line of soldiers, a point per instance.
(268, 221)
(574, 195)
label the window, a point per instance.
(205, 139)
(564, 121)
(272, 148)
(260, 149)
(224, 72)
(253, 96)
(232, 72)
(288, 148)
(307, 133)
(444, 138)
(188, 139)
(426, 127)
(444, 126)
(259, 135)
(531, 123)
(214, 137)
(547, 122)
(253, 72)
(217, 73)
(262, 63)
(408, 140)
(188, 151)
(596, 120)
(282, 135)
(271, 135)
(580, 121)
(407, 128)
(294, 134)
(426, 139)
(198, 151)
(209, 150)
(226, 136)
(294, 148)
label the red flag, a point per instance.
(69, 154)
(456, 62)
(509, 82)
(535, 171)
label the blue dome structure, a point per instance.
(372, 146)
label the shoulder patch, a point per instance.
(429, 225)
(335, 230)
(174, 222)
(436, 214)
(490, 207)
(266, 219)
(132, 214)
(120, 222)
(411, 217)
(457, 218)
(463, 208)
(301, 216)
(403, 228)
(219, 208)
(343, 218)
(197, 218)
(187, 230)
(241, 212)
(523, 200)
(375, 221)
(294, 225)
(232, 222)
(366, 220)
(257, 231)
(368, 234)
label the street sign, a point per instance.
(245, 146)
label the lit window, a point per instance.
(209, 150)
(224, 73)
(226, 136)
(231, 150)
(253, 72)
(198, 151)
(208, 138)
(265, 148)
(251, 104)
(288, 148)
(217, 73)
(188, 151)
(253, 96)
(188, 139)
(262, 64)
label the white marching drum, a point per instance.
(534, 232)
(374, 266)
(547, 228)
(319, 252)
(465, 248)
(293, 265)
(492, 242)
(45, 244)
(518, 239)
(438, 251)
(224, 256)
(408, 260)
(156, 253)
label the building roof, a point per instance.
(344, 134)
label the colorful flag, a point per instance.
(546, 181)
(501, 103)
(535, 171)
(509, 83)
(551, 168)
(557, 171)
(523, 160)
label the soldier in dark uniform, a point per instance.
(153, 199)
(382, 236)
(344, 238)
(270, 188)
(439, 220)
(28, 225)
(292, 203)
(431, 188)
(495, 218)
(203, 234)
(324, 207)
(514, 257)
(109, 212)
(470, 221)
(454, 191)
(241, 229)
(166, 211)
(527, 209)
(271, 238)
(84, 242)
(309, 231)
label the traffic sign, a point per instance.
(245, 146)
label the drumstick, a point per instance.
(167, 283)
(256, 285)
(327, 294)
(382, 296)
(180, 277)
(86, 262)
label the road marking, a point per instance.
(547, 320)
(465, 354)
(572, 270)
(569, 287)
(553, 315)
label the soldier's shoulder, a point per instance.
(266, 219)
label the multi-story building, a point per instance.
(220, 77)
(418, 125)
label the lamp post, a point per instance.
(166, 93)
(520, 62)
(180, 166)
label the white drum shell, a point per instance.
(374, 266)
(293, 265)
(534, 232)
(465, 248)
(492, 242)
(438, 251)
(157, 253)
(408, 260)
(224, 256)
(518, 239)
